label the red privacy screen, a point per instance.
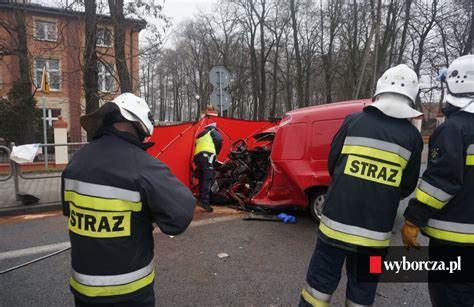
(174, 145)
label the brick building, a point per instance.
(56, 40)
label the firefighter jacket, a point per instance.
(375, 161)
(112, 192)
(209, 140)
(444, 203)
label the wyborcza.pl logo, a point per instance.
(377, 265)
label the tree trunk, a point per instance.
(263, 88)
(406, 24)
(289, 84)
(255, 78)
(118, 20)
(469, 48)
(90, 77)
(299, 73)
(25, 84)
(275, 82)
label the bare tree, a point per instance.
(118, 20)
(90, 77)
(287, 54)
(299, 70)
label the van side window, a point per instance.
(322, 134)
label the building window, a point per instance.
(104, 37)
(51, 116)
(106, 78)
(45, 30)
(54, 73)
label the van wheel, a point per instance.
(316, 204)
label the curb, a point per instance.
(29, 209)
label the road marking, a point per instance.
(58, 246)
(34, 250)
(38, 216)
(209, 221)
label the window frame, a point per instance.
(102, 80)
(49, 116)
(46, 38)
(104, 30)
(48, 70)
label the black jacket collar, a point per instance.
(449, 110)
(123, 135)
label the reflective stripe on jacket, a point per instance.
(112, 192)
(375, 161)
(444, 203)
(205, 144)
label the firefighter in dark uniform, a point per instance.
(375, 161)
(208, 145)
(112, 193)
(444, 205)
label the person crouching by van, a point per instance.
(208, 146)
(374, 161)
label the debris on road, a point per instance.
(223, 255)
(282, 217)
(262, 217)
(286, 218)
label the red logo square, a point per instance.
(375, 265)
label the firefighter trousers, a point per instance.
(143, 299)
(324, 274)
(447, 293)
(206, 173)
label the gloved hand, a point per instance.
(409, 233)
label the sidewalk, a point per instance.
(47, 190)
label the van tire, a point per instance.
(316, 203)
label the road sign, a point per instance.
(218, 97)
(219, 75)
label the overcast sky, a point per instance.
(179, 10)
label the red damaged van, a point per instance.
(297, 174)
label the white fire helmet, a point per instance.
(460, 82)
(396, 92)
(132, 108)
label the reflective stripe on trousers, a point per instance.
(354, 234)
(431, 195)
(374, 148)
(315, 297)
(470, 155)
(108, 285)
(350, 303)
(450, 231)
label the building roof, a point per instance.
(136, 24)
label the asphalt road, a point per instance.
(266, 267)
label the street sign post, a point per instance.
(220, 100)
(219, 77)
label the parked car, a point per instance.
(294, 156)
